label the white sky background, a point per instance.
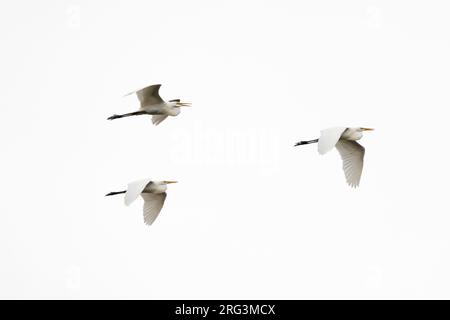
(251, 216)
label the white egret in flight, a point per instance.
(152, 104)
(352, 153)
(153, 193)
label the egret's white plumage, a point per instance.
(329, 138)
(148, 96)
(153, 203)
(153, 193)
(158, 118)
(134, 190)
(352, 153)
(152, 104)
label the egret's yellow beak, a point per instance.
(184, 104)
(367, 129)
(168, 182)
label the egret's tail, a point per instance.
(114, 193)
(301, 143)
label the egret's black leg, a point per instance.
(118, 116)
(114, 193)
(301, 143)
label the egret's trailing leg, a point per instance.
(114, 193)
(306, 142)
(118, 116)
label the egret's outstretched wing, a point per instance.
(329, 138)
(149, 95)
(153, 203)
(158, 118)
(352, 154)
(134, 190)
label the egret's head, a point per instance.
(184, 104)
(169, 182)
(177, 103)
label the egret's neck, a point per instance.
(174, 111)
(352, 134)
(156, 187)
